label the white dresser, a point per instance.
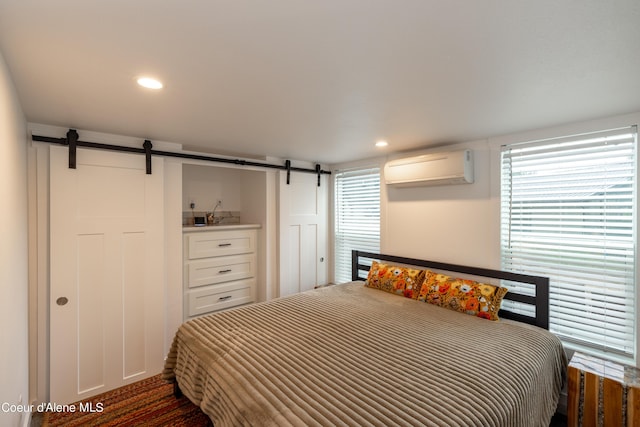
(219, 268)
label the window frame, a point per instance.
(513, 142)
(342, 258)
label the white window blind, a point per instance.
(568, 213)
(357, 217)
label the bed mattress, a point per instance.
(348, 355)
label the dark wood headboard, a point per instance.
(539, 301)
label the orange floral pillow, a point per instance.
(398, 280)
(465, 296)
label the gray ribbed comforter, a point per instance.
(354, 356)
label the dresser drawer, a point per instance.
(218, 297)
(220, 243)
(219, 270)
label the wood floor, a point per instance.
(558, 420)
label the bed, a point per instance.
(354, 355)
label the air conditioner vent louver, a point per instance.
(455, 167)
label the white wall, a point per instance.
(205, 185)
(173, 249)
(254, 209)
(461, 223)
(449, 223)
(14, 351)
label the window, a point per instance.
(357, 217)
(568, 213)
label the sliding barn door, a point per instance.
(106, 290)
(303, 232)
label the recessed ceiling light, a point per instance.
(150, 83)
(382, 143)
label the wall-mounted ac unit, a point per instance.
(455, 167)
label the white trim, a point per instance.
(25, 419)
(536, 231)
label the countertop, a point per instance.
(192, 228)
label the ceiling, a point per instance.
(321, 80)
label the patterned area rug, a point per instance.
(148, 402)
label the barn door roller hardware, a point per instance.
(147, 149)
(287, 166)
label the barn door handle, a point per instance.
(62, 300)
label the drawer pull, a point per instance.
(222, 245)
(228, 297)
(228, 270)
